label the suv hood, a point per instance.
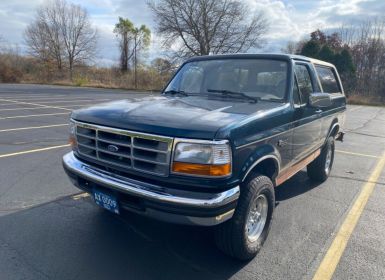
(186, 117)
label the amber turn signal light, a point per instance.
(202, 169)
(72, 141)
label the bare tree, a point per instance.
(1, 43)
(61, 32)
(79, 37)
(367, 42)
(293, 47)
(208, 26)
(44, 42)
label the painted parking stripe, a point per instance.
(29, 116)
(330, 261)
(33, 96)
(50, 98)
(33, 127)
(35, 104)
(67, 107)
(71, 101)
(49, 102)
(80, 195)
(79, 105)
(33, 151)
(29, 108)
(356, 154)
(7, 104)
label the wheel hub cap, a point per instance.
(257, 218)
(328, 160)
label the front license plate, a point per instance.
(106, 201)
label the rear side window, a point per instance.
(304, 82)
(328, 79)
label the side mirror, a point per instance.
(320, 100)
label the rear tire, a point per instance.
(244, 234)
(320, 168)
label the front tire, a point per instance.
(320, 168)
(243, 236)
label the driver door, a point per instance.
(307, 120)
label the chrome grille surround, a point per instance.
(112, 147)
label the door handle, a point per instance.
(318, 111)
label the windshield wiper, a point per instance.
(234, 93)
(174, 92)
(279, 100)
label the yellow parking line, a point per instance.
(28, 116)
(330, 261)
(33, 151)
(356, 154)
(33, 127)
(80, 195)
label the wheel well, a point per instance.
(268, 167)
(335, 127)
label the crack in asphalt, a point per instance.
(364, 124)
(356, 179)
(365, 134)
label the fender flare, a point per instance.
(270, 155)
(331, 129)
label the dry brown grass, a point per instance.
(148, 78)
(366, 100)
(15, 68)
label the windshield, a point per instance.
(264, 79)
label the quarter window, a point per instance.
(328, 79)
(304, 82)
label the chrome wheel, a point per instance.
(328, 160)
(257, 217)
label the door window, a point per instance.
(304, 82)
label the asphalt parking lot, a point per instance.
(49, 231)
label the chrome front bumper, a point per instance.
(156, 194)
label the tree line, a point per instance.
(358, 52)
(61, 33)
(62, 39)
(62, 36)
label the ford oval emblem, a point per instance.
(113, 148)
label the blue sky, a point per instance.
(290, 20)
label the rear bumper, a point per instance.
(169, 205)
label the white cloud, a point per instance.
(290, 20)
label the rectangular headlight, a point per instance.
(204, 158)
